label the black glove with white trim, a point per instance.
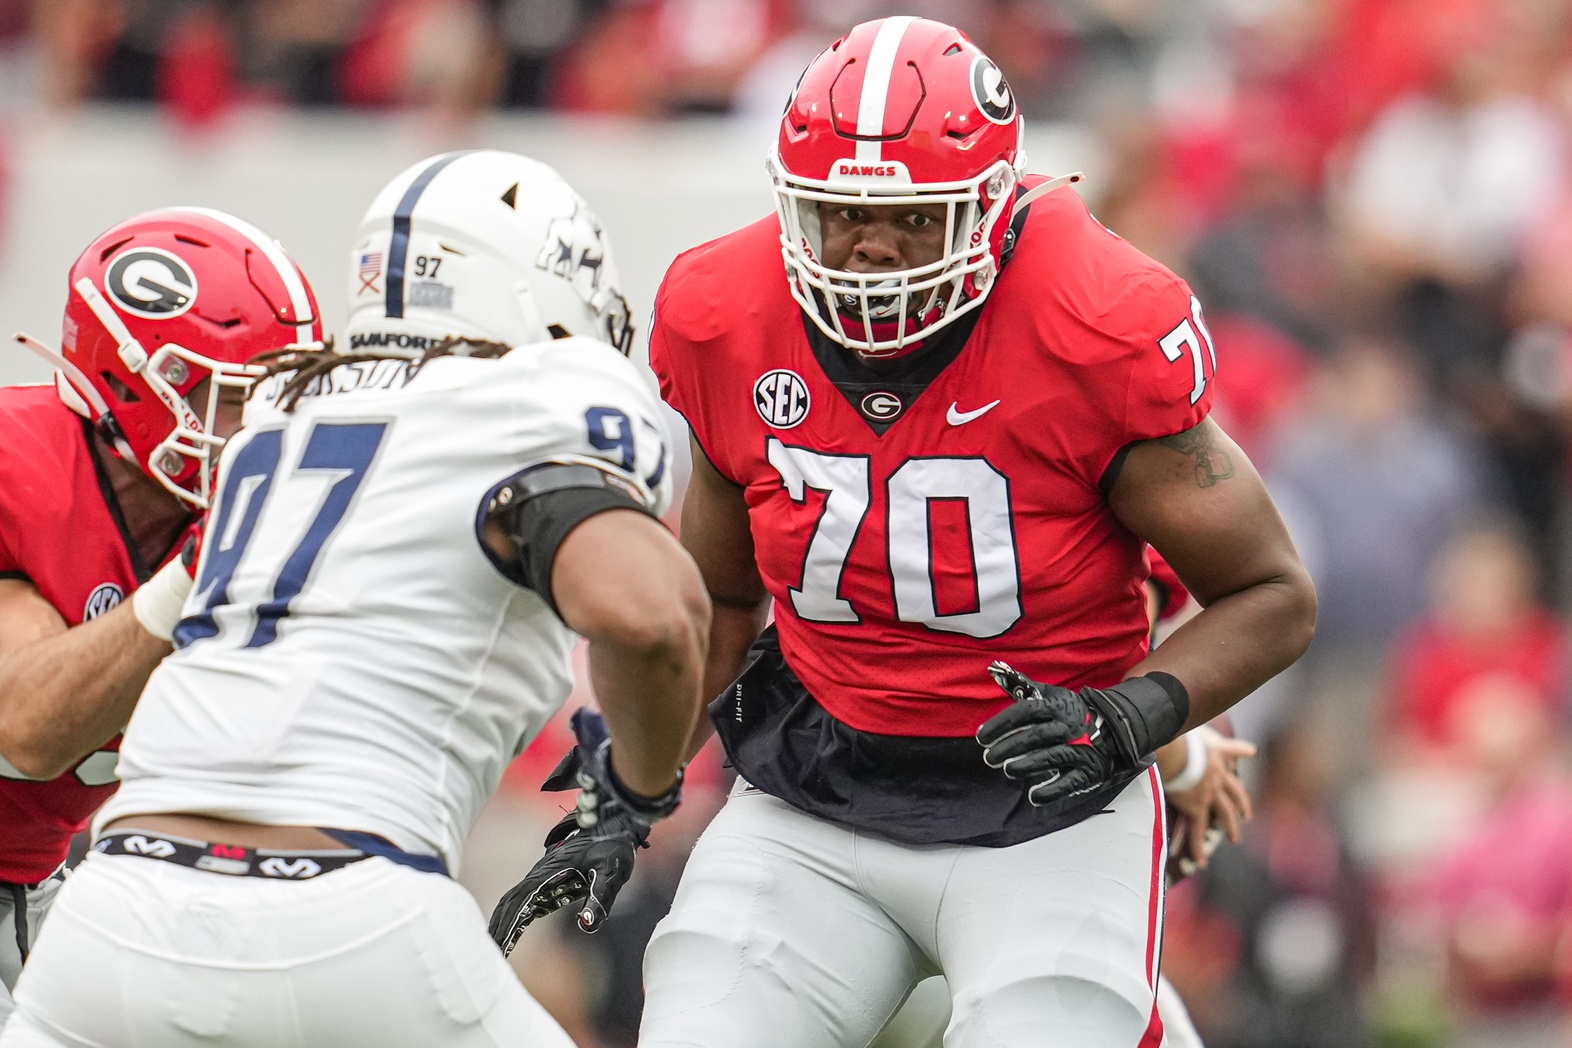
(589, 854)
(1065, 743)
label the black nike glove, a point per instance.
(589, 854)
(1065, 743)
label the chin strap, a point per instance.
(69, 382)
(79, 381)
(1047, 187)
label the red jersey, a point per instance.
(57, 531)
(914, 525)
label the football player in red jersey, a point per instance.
(938, 445)
(101, 475)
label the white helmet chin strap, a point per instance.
(1037, 192)
(126, 345)
(74, 375)
(72, 383)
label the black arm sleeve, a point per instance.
(540, 507)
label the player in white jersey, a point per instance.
(398, 558)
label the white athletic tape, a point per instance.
(1195, 760)
(157, 602)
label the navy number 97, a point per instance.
(610, 429)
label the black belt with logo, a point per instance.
(271, 863)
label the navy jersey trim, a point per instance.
(398, 251)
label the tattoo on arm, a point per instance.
(1212, 463)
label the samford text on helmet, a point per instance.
(159, 304)
(485, 245)
(900, 111)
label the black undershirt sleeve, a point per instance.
(1110, 475)
(540, 508)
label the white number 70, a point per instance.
(1176, 341)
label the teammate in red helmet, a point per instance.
(102, 474)
(938, 441)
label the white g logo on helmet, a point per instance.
(152, 283)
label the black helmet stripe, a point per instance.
(398, 251)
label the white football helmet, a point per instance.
(481, 244)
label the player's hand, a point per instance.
(581, 868)
(1065, 743)
(1050, 739)
(157, 603)
(1216, 807)
(589, 854)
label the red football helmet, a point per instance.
(160, 303)
(900, 111)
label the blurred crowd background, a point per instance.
(1372, 198)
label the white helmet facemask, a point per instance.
(484, 245)
(880, 314)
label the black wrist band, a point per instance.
(1178, 694)
(1142, 713)
(649, 807)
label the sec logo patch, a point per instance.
(782, 399)
(106, 596)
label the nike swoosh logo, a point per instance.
(957, 417)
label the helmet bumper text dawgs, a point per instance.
(159, 304)
(901, 111)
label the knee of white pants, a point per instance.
(1058, 933)
(768, 943)
(1046, 1011)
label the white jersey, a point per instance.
(350, 657)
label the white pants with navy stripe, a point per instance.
(39, 897)
(139, 953)
(789, 931)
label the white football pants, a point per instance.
(38, 902)
(789, 931)
(140, 953)
(922, 1019)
